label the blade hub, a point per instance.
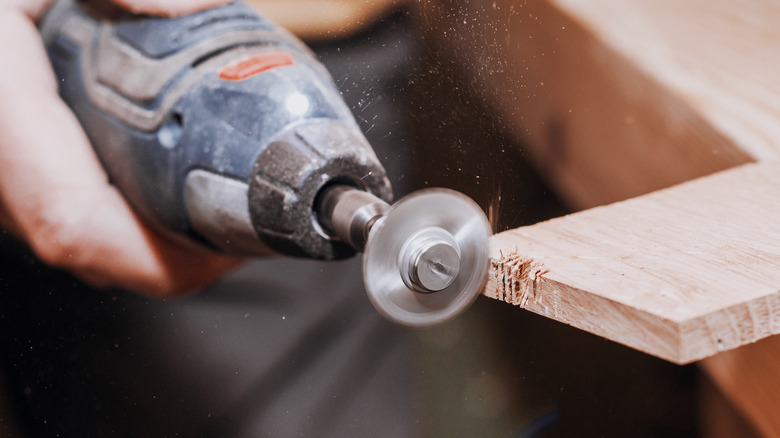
(426, 259)
(430, 260)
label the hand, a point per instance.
(54, 194)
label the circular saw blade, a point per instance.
(385, 259)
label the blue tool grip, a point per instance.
(223, 92)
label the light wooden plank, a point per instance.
(616, 98)
(683, 273)
(721, 61)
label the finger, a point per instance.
(168, 7)
(56, 193)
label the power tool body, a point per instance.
(221, 128)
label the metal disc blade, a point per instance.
(439, 209)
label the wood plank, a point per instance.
(722, 62)
(683, 273)
(616, 98)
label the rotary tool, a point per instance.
(223, 129)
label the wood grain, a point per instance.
(615, 98)
(720, 61)
(683, 273)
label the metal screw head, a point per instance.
(436, 266)
(430, 260)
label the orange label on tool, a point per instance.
(254, 65)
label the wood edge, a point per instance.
(725, 332)
(523, 282)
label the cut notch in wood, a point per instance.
(516, 278)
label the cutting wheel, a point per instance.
(426, 260)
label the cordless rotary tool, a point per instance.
(221, 128)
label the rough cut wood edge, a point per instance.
(683, 273)
(582, 309)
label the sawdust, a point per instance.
(516, 278)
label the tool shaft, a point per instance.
(429, 260)
(348, 214)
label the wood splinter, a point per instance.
(517, 276)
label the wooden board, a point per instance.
(617, 98)
(682, 274)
